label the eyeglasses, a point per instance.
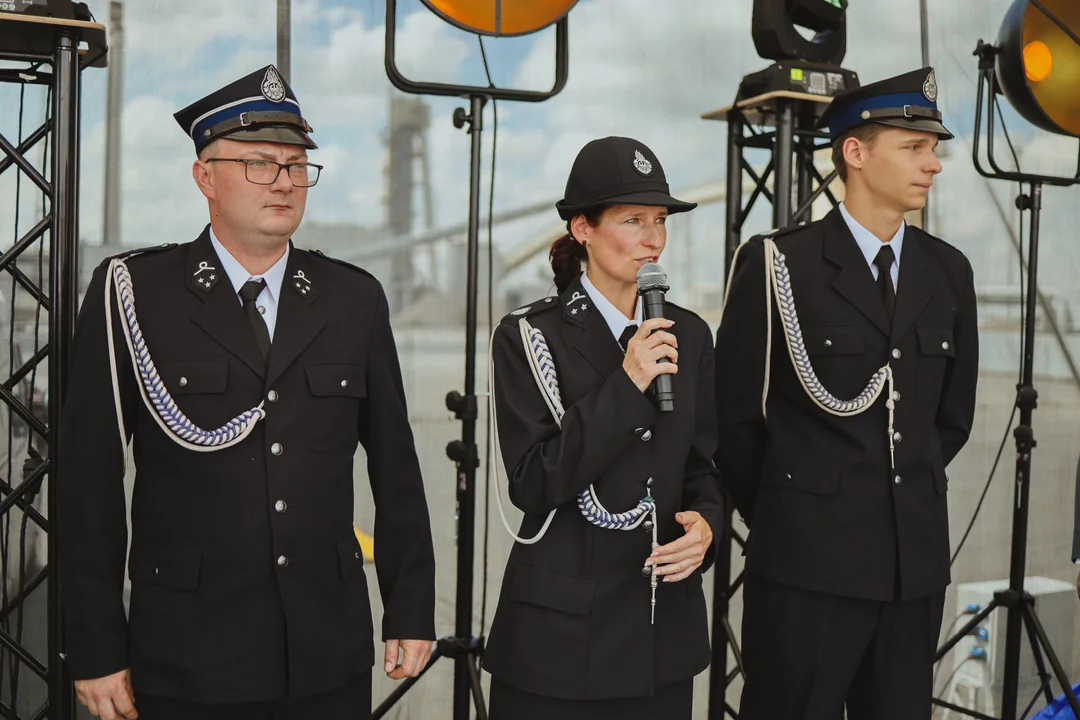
(266, 172)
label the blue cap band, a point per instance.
(851, 116)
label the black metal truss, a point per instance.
(45, 53)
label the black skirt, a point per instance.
(671, 702)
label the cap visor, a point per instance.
(920, 124)
(652, 198)
(282, 134)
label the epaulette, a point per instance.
(779, 232)
(343, 263)
(138, 251)
(531, 309)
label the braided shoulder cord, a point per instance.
(542, 366)
(778, 283)
(154, 393)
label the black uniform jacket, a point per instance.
(247, 582)
(826, 512)
(573, 615)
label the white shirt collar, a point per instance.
(868, 242)
(613, 316)
(274, 277)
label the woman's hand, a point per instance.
(676, 560)
(649, 344)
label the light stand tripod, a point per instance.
(463, 647)
(1019, 603)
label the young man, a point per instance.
(248, 596)
(848, 555)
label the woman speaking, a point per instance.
(601, 612)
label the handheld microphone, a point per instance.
(652, 284)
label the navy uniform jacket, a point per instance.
(826, 512)
(573, 614)
(247, 582)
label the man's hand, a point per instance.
(416, 655)
(676, 560)
(110, 697)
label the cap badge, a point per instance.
(642, 165)
(929, 87)
(273, 89)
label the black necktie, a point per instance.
(628, 332)
(248, 293)
(884, 261)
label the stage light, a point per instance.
(1038, 63)
(503, 17)
(776, 33)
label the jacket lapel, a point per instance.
(594, 342)
(221, 316)
(912, 289)
(855, 282)
(297, 321)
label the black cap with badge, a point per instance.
(617, 171)
(906, 101)
(260, 107)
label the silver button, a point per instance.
(344, 383)
(898, 479)
(156, 571)
(896, 353)
(183, 382)
(639, 431)
(356, 555)
(282, 561)
(280, 506)
(262, 309)
(272, 396)
(944, 346)
(896, 396)
(897, 437)
(276, 448)
(828, 343)
(647, 435)
(787, 476)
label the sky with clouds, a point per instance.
(637, 67)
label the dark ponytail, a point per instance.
(567, 255)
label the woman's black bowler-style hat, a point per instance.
(617, 171)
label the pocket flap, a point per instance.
(350, 556)
(834, 340)
(189, 377)
(937, 341)
(336, 379)
(174, 567)
(565, 593)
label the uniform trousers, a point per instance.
(670, 702)
(350, 702)
(809, 654)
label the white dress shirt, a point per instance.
(613, 316)
(267, 301)
(870, 245)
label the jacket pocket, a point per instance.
(174, 567)
(195, 377)
(792, 471)
(936, 348)
(337, 389)
(350, 557)
(824, 340)
(552, 590)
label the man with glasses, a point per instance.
(246, 371)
